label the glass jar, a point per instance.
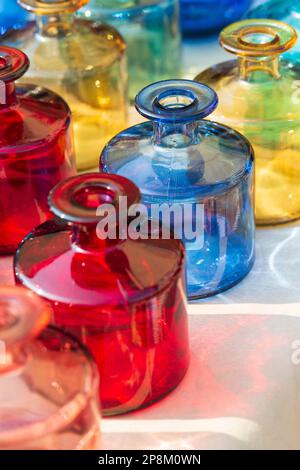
(197, 17)
(124, 297)
(11, 15)
(36, 149)
(85, 63)
(48, 382)
(152, 32)
(258, 96)
(204, 168)
(284, 10)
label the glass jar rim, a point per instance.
(13, 64)
(64, 198)
(258, 37)
(49, 7)
(176, 101)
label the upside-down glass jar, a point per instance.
(11, 15)
(259, 96)
(199, 17)
(151, 29)
(203, 168)
(84, 62)
(283, 10)
(48, 381)
(124, 297)
(36, 150)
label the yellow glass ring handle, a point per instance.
(258, 37)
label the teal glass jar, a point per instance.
(151, 29)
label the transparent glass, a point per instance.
(124, 298)
(284, 10)
(181, 158)
(36, 150)
(48, 382)
(85, 63)
(258, 96)
(197, 17)
(151, 29)
(11, 15)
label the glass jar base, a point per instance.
(152, 401)
(196, 293)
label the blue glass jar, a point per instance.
(284, 10)
(11, 15)
(200, 17)
(151, 29)
(204, 168)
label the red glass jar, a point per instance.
(124, 297)
(36, 150)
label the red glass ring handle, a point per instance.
(13, 64)
(76, 199)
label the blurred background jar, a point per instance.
(151, 29)
(284, 10)
(11, 15)
(83, 62)
(201, 17)
(48, 381)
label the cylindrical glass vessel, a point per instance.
(48, 382)
(203, 168)
(11, 15)
(123, 297)
(36, 150)
(283, 10)
(199, 17)
(151, 29)
(85, 63)
(259, 96)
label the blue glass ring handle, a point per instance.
(176, 101)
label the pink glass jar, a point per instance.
(48, 382)
(36, 149)
(124, 297)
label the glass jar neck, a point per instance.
(175, 135)
(56, 25)
(266, 68)
(86, 239)
(8, 96)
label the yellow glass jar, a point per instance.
(82, 61)
(259, 95)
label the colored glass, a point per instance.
(180, 158)
(284, 10)
(200, 17)
(151, 29)
(48, 382)
(11, 15)
(36, 150)
(85, 63)
(258, 96)
(123, 297)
